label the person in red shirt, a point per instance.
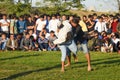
(114, 24)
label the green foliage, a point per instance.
(18, 9)
(8, 7)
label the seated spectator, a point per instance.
(33, 37)
(51, 38)
(18, 39)
(115, 41)
(107, 46)
(96, 42)
(26, 43)
(43, 42)
(12, 43)
(3, 42)
(44, 32)
(103, 35)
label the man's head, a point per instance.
(21, 18)
(52, 33)
(4, 16)
(42, 17)
(75, 22)
(100, 19)
(64, 17)
(12, 36)
(3, 36)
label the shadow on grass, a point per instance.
(21, 56)
(96, 60)
(28, 72)
(107, 61)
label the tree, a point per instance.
(118, 4)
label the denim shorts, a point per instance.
(64, 47)
(83, 47)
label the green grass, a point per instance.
(46, 66)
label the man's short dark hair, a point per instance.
(42, 16)
(52, 32)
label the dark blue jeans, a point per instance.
(43, 46)
(3, 46)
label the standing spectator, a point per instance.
(3, 41)
(30, 23)
(114, 24)
(118, 29)
(13, 25)
(95, 18)
(47, 22)
(21, 24)
(83, 25)
(36, 16)
(12, 43)
(26, 43)
(100, 25)
(90, 24)
(51, 38)
(53, 24)
(5, 23)
(40, 24)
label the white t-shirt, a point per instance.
(4, 28)
(40, 24)
(116, 40)
(100, 26)
(53, 25)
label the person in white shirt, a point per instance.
(100, 25)
(5, 23)
(53, 24)
(40, 24)
(63, 43)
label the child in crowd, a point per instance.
(43, 42)
(3, 41)
(51, 38)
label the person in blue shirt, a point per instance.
(21, 24)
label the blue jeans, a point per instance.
(72, 47)
(84, 47)
(50, 49)
(3, 46)
(43, 46)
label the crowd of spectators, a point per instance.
(37, 32)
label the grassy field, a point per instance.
(46, 66)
